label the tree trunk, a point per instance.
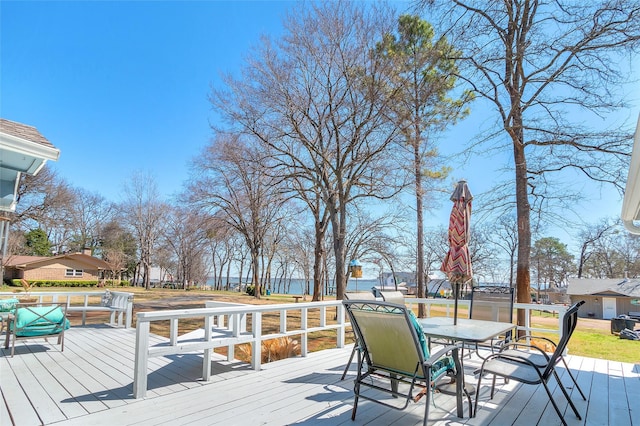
(422, 312)
(318, 255)
(523, 277)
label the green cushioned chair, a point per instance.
(393, 351)
(33, 320)
(7, 306)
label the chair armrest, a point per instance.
(531, 336)
(442, 352)
(516, 345)
(511, 357)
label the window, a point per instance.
(73, 272)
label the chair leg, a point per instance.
(356, 393)
(346, 368)
(475, 404)
(566, 395)
(573, 378)
(553, 402)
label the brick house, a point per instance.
(76, 266)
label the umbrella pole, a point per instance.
(455, 304)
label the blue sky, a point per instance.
(121, 87)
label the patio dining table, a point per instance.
(466, 331)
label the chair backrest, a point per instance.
(393, 297)
(492, 303)
(569, 322)
(360, 296)
(36, 319)
(387, 336)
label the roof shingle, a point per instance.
(23, 131)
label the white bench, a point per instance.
(118, 303)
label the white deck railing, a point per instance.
(226, 325)
(121, 303)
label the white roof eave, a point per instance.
(631, 204)
(33, 149)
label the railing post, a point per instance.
(141, 359)
(129, 318)
(283, 321)
(173, 331)
(206, 361)
(341, 329)
(304, 321)
(256, 350)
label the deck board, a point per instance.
(91, 383)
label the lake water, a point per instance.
(297, 286)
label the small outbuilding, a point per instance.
(605, 298)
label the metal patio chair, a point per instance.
(492, 303)
(511, 364)
(392, 297)
(393, 352)
(356, 346)
(520, 347)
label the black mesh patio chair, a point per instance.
(522, 347)
(511, 364)
(393, 352)
(492, 303)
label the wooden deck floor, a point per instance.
(91, 383)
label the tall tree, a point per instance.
(185, 234)
(37, 243)
(552, 262)
(232, 183)
(504, 235)
(317, 100)
(589, 238)
(544, 66)
(424, 73)
(143, 211)
(89, 213)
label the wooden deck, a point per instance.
(91, 383)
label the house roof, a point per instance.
(22, 150)
(24, 262)
(631, 204)
(585, 286)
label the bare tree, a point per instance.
(538, 63)
(504, 235)
(589, 238)
(233, 184)
(118, 247)
(45, 202)
(89, 213)
(185, 233)
(144, 213)
(318, 100)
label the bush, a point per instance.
(64, 283)
(251, 290)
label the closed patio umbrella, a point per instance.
(457, 263)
